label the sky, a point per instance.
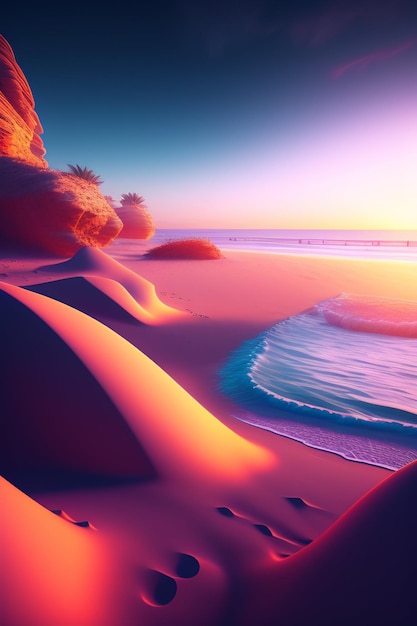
(233, 113)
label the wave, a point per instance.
(371, 314)
(349, 361)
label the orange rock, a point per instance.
(52, 211)
(42, 209)
(20, 128)
(137, 223)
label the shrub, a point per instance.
(194, 248)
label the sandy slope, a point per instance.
(193, 518)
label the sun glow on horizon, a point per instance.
(355, 174)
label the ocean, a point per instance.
(364, 244)
(341, 377)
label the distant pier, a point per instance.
(328, 242)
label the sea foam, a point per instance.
(371, 314)
(349, 365)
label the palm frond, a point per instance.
(132, 199)
(85, 173)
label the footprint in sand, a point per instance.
(264, 529)
(63, 515)
(297, 503)
(161, 588)
(223, 510)
(300, 504)
(186, 566)
(285, 539)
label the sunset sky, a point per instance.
(232, 113)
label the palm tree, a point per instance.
(137, 223)
(132, 199)
(85, 173)
(110, 200)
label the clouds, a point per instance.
(216, 27)
(318, 29)
(374, 57)
(322, 23)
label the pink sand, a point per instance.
(109, 379)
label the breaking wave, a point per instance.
(370, 314)
(349, 362)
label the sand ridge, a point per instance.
(210, 521)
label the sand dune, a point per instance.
(53, 571)
(192, 563)
(360, 571)
(117, 282)
(54, 407)
(166, 420)
(137, 505)
(105, 298)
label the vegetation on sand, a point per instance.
(194, 248)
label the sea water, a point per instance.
(341, 376)
(363, 244)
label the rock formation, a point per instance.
(137, 223)
(52, 211)
(20, 128)
(42, 209)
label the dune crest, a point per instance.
(177, 434)
(103, 298)
(58, 424)
(131, 292)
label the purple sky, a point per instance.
(233, 114)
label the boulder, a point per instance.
(51, 211)
(137, 222)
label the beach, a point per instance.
(132, 496)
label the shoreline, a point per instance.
(375, 267)
(257, 421)
(365, 244)
(249, 320)
(379, 441)
(228, 495)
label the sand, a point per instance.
(131, 496)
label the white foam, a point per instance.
(371, 314)
(339, 373)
